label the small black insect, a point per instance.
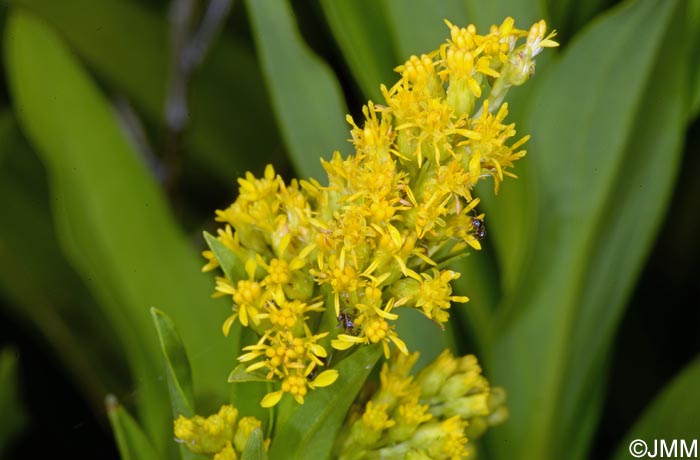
(312, 375)
(347, 322)
(479, 228)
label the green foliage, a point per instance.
(562, 318)
(88, 241)
(306, 95)
(132, 442)
(254, 448)
(103, 199)
(308, 431)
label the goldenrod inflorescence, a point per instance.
(222, 434)
(429, 416)
(326, 267)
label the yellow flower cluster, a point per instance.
(221, 436)
(313, 267)
(430, 416)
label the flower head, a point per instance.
(332, 267)
(417, 417)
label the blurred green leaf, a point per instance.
(632, 215)
(308, 431)
(308, 102)
(605, 178)
(113, 222)
(61, 310)
(525, 13)
(131, 440)
(418, 26)
(13, 416)
(479, 282)
(254, 448)
(568, 16)
(361, 29)
(693, 20)
(233, 267)
(137, 64)
(673, 415)
(421, 334)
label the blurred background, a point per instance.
(124, 124)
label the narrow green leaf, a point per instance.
(254, 448)
(361, 30)
(308, 431)
(177, 366)
(177, 370)
(226, 91)
(113, 222)
(674, 414)
(306, 95)
(604, 161)
(13, 416)
(131, 440)
(233, 267)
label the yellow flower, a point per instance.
(430, 416)
(207, 435)
(220, 434)
(392, 215)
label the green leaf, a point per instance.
(605, 158)
(177, 366)
(694, 19)
(423, 335)
(13, 416)
(306, 95)
(307, 431)
(226, 91)
(361, 30)
(674, 414)
(177, 369)
(418, 26)
(113, 222)
(131, 440)
(254, 448)
(61, 310)
(483, 14)
(569, 16)
(233, 267)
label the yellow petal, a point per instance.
(325, 378)
(227, 324)
(341, 344)
(271, 399)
